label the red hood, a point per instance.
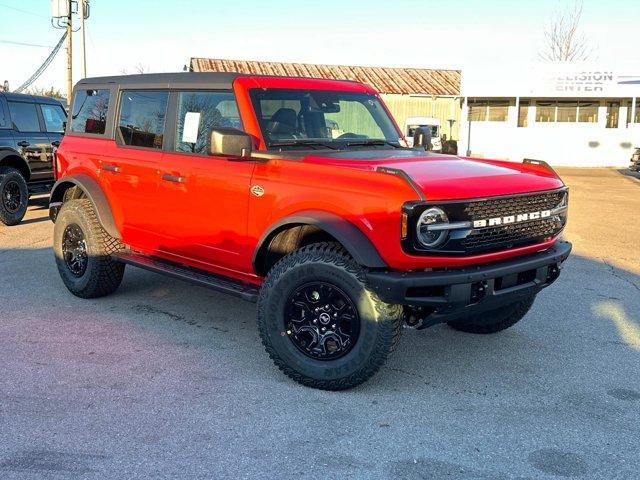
(445, 177)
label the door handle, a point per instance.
(172, 178)
(23, 143)
(55, 143)
(111, 168)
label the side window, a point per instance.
(89, 114)
(24, 116)
(4, 120)
(198, 113)
(54, 117)
(142, 115)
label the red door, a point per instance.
(204, 209)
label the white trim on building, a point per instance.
(565, 114)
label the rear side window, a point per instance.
(4, 120)
(198, 113)
(142, 116)
(89, 113)
(54, 118)
(24, 116)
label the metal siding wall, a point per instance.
(442, 108)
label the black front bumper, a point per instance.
(460, 291)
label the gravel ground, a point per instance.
(167, 380)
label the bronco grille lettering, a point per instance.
(521, 217)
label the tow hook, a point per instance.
(416, 317)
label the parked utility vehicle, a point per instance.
(241, 184)
(432, 124)
(30, 129)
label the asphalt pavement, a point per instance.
(167, 380)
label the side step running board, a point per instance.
(245, 291)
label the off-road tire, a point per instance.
(11, 175)
(495, 320)
(380, 323)
(102, 275)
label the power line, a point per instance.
(23, 11)
(23, 44)
(44, 65)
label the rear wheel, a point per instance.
(14, 196)
(495, 320)
(319, 322)
(82, 249)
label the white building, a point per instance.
(565, 114)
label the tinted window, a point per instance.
(142, 116)
(198, 113)
(54, 118)
(24, 116)
(4, 121)
(90, 111)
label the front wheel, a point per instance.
(319, 322)
(495, 320)
(14, 196)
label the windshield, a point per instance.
(323, 119)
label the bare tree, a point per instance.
(139, 68)
(564, 42)
(50, 92)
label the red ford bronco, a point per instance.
(299, 194)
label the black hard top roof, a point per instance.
(222, 80)
(24, 97)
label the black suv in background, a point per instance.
(30, 129)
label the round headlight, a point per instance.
(432, 217)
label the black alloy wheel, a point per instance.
(322, 321)
(11, 196)
(74, 250)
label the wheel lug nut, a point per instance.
(324, 329)
(315, 321)
(333, 326)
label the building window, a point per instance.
(588, 112)
(89, 114)
(567, 111)
(613, 114)
(523, 113)
(142, 115)
(636, 116)
(488, 110)
(477, 111)
(545, 111)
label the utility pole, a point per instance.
(83, 17)
(69, 52)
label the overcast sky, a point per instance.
(163, 35)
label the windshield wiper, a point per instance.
(366, 143)
(302, 142)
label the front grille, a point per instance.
(501, 236)
(500, 207)
(506, 236)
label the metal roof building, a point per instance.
(409, 92)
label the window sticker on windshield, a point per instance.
(190, 130)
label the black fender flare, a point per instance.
(93, 192)
(23, 164)
(351, 237)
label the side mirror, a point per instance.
(230, 142)
(422, 138)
